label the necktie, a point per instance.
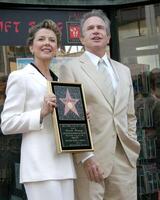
(107, 80)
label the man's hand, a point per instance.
(88, 114)
(93, 170)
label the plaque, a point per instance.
(71, 126)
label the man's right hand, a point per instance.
(93, 170)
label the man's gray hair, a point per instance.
(95, 13)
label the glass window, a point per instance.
(139, 33)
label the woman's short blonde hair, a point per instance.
(48, 24)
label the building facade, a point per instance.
(135, 41)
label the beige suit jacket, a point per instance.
(107, 122)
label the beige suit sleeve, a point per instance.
(131, 113)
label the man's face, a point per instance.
(94, 36)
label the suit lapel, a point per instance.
(99, 79)
(37, 76)
(120, 86)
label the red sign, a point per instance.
(74, 32)
(14, 25)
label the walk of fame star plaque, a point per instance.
(71, 126)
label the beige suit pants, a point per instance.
(121, 184)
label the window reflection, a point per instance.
(139, 33)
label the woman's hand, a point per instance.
(48, 105)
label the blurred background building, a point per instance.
(135, 41)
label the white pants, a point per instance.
(50, 190)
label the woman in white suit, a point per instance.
(27, 111)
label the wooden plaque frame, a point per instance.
(71, 126)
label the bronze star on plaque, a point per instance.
(69, 103)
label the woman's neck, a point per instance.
(44, 69)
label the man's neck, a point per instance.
(93, 54)
(98, 53)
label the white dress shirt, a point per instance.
(95, 59)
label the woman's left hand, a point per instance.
(48, 105)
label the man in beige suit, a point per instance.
(110, 172)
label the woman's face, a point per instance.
(44, 45)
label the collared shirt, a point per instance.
(95, 59)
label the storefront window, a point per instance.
(139, 35)
(139, 43)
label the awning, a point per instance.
(73, 2)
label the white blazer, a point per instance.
(39, 161)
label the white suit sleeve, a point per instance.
(15, 118)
